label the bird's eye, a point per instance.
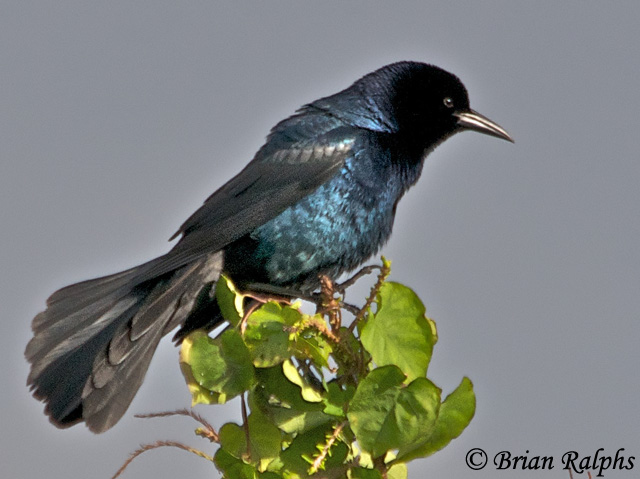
(448, 102)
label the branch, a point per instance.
(155, 445)
(209, 432)
(385, 269)
(317, 463)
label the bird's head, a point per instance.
(420, 101)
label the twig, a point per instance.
(209, 432)
(155, 445)
(317, 463)
(379, 464)
(341, 288)
(352, 308)
(322, 328)
(245, 426)
(382, 276)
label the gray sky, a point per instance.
(117, 119)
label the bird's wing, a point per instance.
(282, 173)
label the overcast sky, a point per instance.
(117, 119)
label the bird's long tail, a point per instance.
(93, 344)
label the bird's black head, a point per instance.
(418, 101)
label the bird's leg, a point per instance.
(342, 287)
(313, 297)
(280, 291)
(258, 299)
(330, 304)
(253, 305)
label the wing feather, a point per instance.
(281, 174)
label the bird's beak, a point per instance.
(472, 120)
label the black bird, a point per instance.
(318, 198)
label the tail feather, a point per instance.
(71, 332)
(61, 382)
(74, 298)
(93, 344)
(111, 387)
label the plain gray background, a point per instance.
(117, 119)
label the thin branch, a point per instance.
(379, 464)
(245, 426)
(322, 328)
(352, 308)
(209, 432)
(342, 287)
(382, 276)
(155, 445)
(317, 463)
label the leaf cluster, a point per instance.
(320, 399)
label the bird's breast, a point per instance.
(331, 231)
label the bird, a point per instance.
(318, 198)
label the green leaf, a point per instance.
(308, 392)
(336, 399)
(309, 344)
(350, 356)
(371, 409)
(222, 365)
(394, 415)
(363, 473)
(234, 468)
(386, 415)
(229, 300)
(265, 440)
(295, 421)
(199, 394)
(231, 467)
(233, 440)
(269, 475)
(399, 333)
(397, 471)
(337, 455)
(281, 401)
(299, 456)
(266, 333)
(455, 414)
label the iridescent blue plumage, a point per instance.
(334, 229)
